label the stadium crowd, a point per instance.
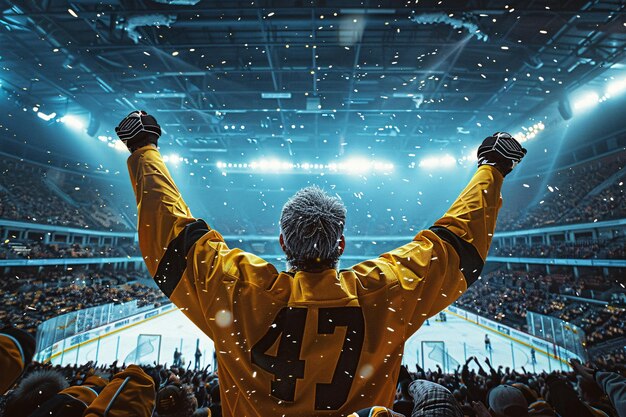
(30, 193)
(508, 296)
(588, 192)
(591, 249)
(186, 392)
(473, 390)
(39, 250)
(29, 298)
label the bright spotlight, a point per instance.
(264, 164)
(586, 101)
(357, 165)
(46, 117)
(74, 122)
(445, 161)
(118, 145)
(616, 87)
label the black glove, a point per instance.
(502, 151)
(138, 129)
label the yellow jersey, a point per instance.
(308, 344)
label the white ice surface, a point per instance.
(462, 339)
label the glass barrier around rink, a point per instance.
(61, 327)
(557, 331)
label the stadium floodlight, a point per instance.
(445, 161)
(352, 166)
(46, 117)
(263, 164)
(616, 87)
(357, 165)
(173, 157)
(586, 101)
(74, 122)
(119, 146)
(276, 95)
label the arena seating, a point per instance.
(507, 297)
(15, 249)
(575, 195)
(588, 249)
(32, 193)
(28, 298)
(588, 192)
(582, 193)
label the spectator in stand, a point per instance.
(403, 403)
(433, 400)
(543, 394)
(176, 400)
(597, 249)
(609, 383)
(12, 249)
(572, 197)
(506, 401)
(508, 296)
(29, 299)
(33, 391)
(215, 404)
(16, 352)
(27, 193)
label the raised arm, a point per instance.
(186, 258)
(163, 216)
(439, 264)
(161, 211)
(166, 228)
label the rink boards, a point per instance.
(153, 336)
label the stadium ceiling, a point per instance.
(302, 77)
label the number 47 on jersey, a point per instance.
(287, 367)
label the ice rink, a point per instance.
(464, 339)
(151, 340)
(155, 339)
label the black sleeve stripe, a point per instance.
(471, 264)
(174, 261)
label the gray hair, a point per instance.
(312, 224)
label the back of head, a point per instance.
(590, 390)
(176, 401)
(404, 389)
(34, 390)
(432, 399)
(527, 392)
(507, 401)
(312, 224)
(215, 394)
